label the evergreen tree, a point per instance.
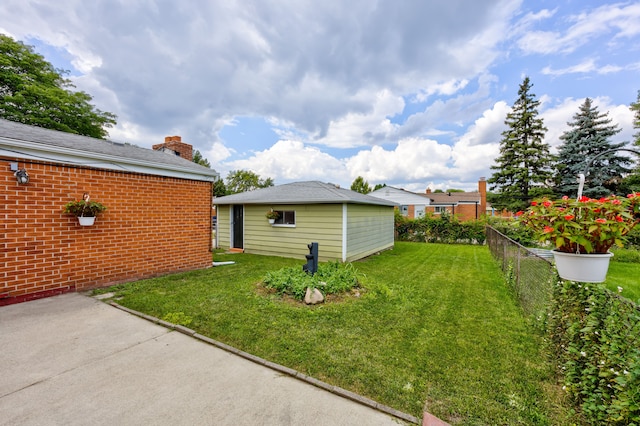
(589, 136)
(635, 107)
(33, 92)
(360, 185)
(523, 169)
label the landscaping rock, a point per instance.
(313, 296)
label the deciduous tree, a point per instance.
(33, 92)
(360, 185)
(245, 180)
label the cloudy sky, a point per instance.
(410, 93)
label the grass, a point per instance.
(435, 325)
(625, 275)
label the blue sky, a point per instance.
(408, 93)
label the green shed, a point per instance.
(347, 225)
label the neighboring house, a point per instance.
(464, 205)
(410, 204)
(347, 225)
(158, 219)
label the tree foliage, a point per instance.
(219, 188)
(635, 108)
(33, 92)
(523, 169)
(379, 186)
(360, 185)
(245, 180)
(589, 135)
(199, 159)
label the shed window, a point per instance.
(439, 209)
(286, 217)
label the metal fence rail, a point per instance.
(530, 274)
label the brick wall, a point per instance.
(154, 225)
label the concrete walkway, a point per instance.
(74, 360)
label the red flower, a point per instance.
(534, 203)
(584, 199)
(619, 219)
(601, 220)
(520, 213)
(564, 197)
(547, 204)
(616, 202)
(548, 229)
(632, 195)
(569, 217)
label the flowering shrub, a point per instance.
(586, 225)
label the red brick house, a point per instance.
(158, 219)
(464, 205)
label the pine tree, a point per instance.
(631, 183)
(635, 107)
(589, 136)
(523, 168)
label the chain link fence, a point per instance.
(530, 274)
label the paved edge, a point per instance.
(282, 369)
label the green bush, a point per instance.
(444, 229)
(513, 230)
(595, 338)
(339, 277)
(626, 255)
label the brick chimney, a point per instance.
(175, 144)
(428, 191)
(482, 189)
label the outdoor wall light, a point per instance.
(21, 174)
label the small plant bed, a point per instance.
(332, 279)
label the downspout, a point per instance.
(344, 232)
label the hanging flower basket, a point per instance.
(583, 229)
(586, 268)
(86, 220)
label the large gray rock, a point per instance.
(313, 296)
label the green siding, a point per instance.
(224, 232)
(369, 230)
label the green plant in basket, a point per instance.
(84, 208)
(586, 225)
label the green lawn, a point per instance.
(627, 276)
(434, 323)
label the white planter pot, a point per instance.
(586, 268)
(272, 221)
(86, 220)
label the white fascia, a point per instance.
(35, 151)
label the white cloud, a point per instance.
(290, 161)
(477, 149)
(619, 19)
(347, 131)
(412, 159)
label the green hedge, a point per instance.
(444, 229)
(595, 339)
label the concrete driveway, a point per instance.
(74, 360)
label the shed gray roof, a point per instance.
(25, 141)
(311, 192)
